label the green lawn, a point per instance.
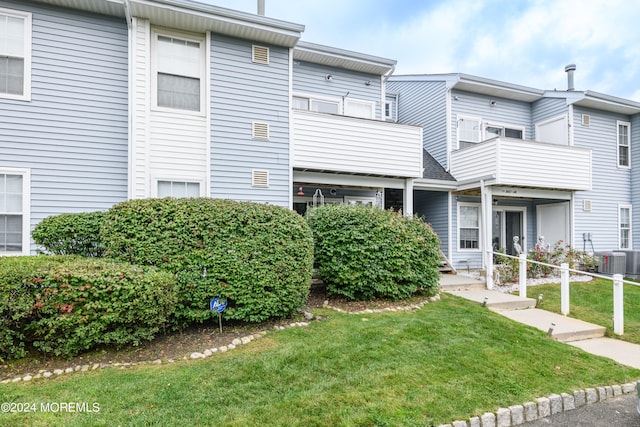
(449, 360)
(593, 303)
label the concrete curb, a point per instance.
(544, 407)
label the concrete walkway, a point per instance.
(586, 336)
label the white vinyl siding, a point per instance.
(14, 212)
(178, 71)
(624, 226)
(468, 226)
(624, 138)
(15, 54)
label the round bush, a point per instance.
(64, 305)
(365, 253)
(70, 234)
(259, 257)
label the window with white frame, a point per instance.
(469, 130)
(178, 189)
(624, 225)
(387, 110)
(624, 138)
(15, 54)
(468, 226)
(494, 130)
(359, 108)
(315, 104)
(178, 71)
(14, 215)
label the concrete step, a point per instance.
(566, 329)
(621, 351)
(495, 300)
(458, 282)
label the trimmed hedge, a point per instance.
(70, 234)
(364, 253)
(259, 257)
(65, 305)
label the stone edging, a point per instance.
(387, 309)
(544, 407)
(44, 374)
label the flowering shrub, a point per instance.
(63, 305)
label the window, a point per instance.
(387, 110)
(623, 144)
(313, 104)
(178, 189)
(358, 108)
(469, 226)
(179, 70)
(493, 131)
(624, 225)
(15, 54)
(468, 131)
(14, 215)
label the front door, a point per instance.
(506, 225)
(553, 222)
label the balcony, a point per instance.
(341, 144)
(515, 162)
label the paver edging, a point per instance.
(567, 402)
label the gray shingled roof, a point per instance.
(433, 169)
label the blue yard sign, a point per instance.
(217, 305)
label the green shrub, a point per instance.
(364, 253)
(70, 234)
(63, 305)
(259, 257)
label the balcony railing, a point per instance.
(340, 144)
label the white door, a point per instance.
(553, 222)
(553, 131)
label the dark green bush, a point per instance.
(63, 305)
(365, 253)
(70, 234)
(259, 257)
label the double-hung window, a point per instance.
(14, 215)
(624, 139)
(624, 225)
(469, 226)
(178, 72)
(15, 54)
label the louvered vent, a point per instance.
(586, 205)
(260, 178)
(260, 54)
(260, 130)
(586, 120)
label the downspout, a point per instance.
(129, 19)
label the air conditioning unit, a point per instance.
(611, 262)
(632, 269)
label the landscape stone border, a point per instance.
(544, 407)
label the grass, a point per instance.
(593, 303)
(450, 360)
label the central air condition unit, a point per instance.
(632, 269)
(611, 262)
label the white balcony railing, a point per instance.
(515, 162)
(341, 144)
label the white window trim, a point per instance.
(485, 125)
(479, 206)
(370, 104)
(620, 207)
(190, 179)
(311, 97)
(26, 209)
(26, 88)
(461, 118)
(200, 38)
(628, 125)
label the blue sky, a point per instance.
(522, 42)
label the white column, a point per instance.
(485, 231)
(407, 202)
(522, 274)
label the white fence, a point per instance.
(617, 279)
